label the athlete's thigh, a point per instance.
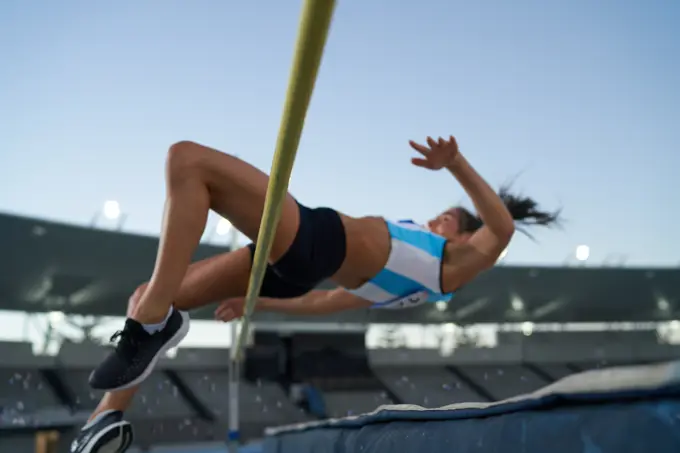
(238, 192)
(214, 279)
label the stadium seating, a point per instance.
(428, 386)
(187, 399)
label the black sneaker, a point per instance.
(108, 434)
(137, 353)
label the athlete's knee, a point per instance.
(190, 160)
(184, 158)
(136, 297)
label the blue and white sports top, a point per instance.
(413, 270)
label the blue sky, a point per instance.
(580, 97)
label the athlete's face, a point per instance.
(446, 224)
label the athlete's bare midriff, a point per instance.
(368, 248)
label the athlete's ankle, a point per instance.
(98, 415)
(152, 320)
(149, 314)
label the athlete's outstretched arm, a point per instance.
(487, 243)
(498, 221)
(316, 302)
(465, 261)
(489, 205)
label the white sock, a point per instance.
(98, 417)
(153, 328)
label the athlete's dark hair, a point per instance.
(524, 210)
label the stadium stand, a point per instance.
(185, 401)
(427, 386)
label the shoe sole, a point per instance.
(119, 444)
(173, 342)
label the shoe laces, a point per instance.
(127, 340)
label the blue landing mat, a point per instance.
(618, 410)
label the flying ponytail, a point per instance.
(525, 211)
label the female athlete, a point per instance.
(375, 263)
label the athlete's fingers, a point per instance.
(430, 141)
(422, 149)
(225, 316)
(418, 162)
(219, 311)
(225, 311)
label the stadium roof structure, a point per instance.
(49, 266)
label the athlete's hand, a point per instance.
(437, 154)
(230, 309)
